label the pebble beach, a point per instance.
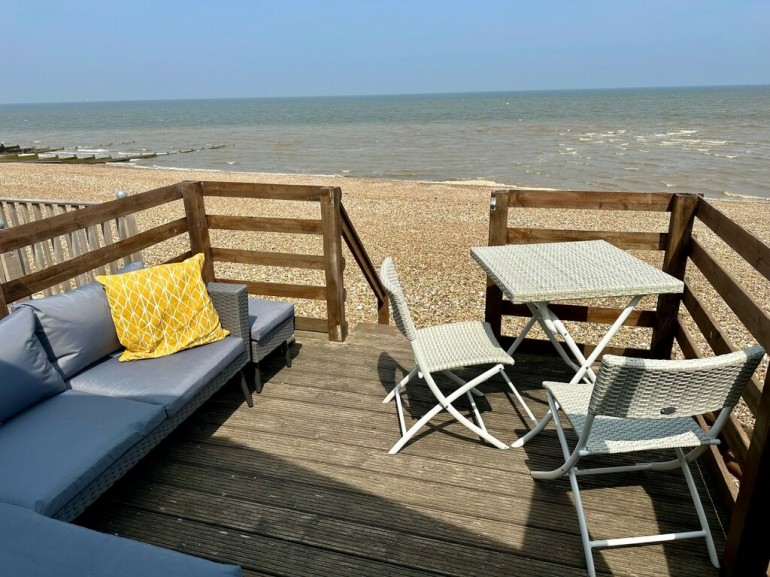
(428, 228)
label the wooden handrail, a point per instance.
(367, 268)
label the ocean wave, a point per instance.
(746, 196)
(472, 182)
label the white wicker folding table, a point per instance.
(538, 274)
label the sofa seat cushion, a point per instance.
(35, 546)
(26, 375)
(53, 450)
(169, 381)
(265, 315)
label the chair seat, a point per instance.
(463, 344)
(266, 315)
(613, 435)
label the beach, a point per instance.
(428, 228)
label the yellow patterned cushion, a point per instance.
(161, 310)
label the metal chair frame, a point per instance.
(443, 349)
(641, 405)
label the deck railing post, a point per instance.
(331, 201)
(498, 235)
(746, 552)
(675, 264)
(197, 226)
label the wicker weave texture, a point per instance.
(279, 335)
(618, 435)
(231, 302)
(570, 270)
(462, 344)
(397, 300)
(644, 388)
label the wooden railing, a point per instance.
(19, 211)
(194, 229)
(743, 455)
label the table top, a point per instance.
(570, 270)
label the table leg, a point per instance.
(553, 326)
(582, 372)
(606, 339)
(530, 323)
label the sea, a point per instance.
(710, 140)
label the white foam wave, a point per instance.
(746, 196)
(473, 182)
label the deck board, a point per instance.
(301, 484)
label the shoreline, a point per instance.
(730, 196)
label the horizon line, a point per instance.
(392, 94)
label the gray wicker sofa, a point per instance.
(73, 420)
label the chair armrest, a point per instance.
(232, 305)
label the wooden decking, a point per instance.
(302, 484)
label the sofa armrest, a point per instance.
(232, 304)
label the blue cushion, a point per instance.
(35, 546)
(52, 451)
(265, 315)
(169, 381)
(26, 375)
(76, 327)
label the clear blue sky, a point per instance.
(83, 50)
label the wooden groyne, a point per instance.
(17, 153)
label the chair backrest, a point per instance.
(397, 300)
(646, 388)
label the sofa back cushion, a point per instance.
(75, 327)
(26, 375)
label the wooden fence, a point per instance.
(333, 227)
(741, 456)
(17, 263)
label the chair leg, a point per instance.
(698, 508)
(395, 390)
(445, 403)
(396, 393)
(245, 389)
(287, 352)
(519, 398)
(476, 414)
(587, 545)
(257, 379)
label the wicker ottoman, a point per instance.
(271, 324)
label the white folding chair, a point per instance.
(443, 348)
(642, 405)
